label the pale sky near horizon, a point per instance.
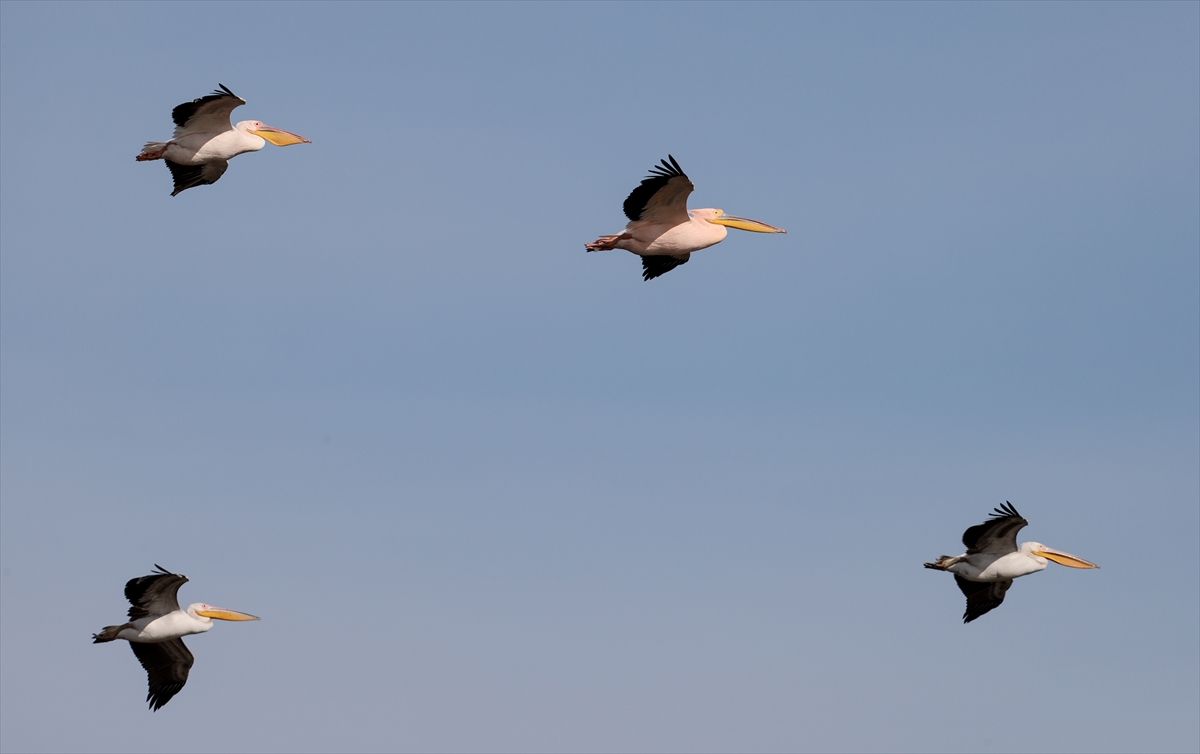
(489, 492)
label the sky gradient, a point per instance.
(489, 492)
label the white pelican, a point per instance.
(662, 231)
(154, 629)
(205, 141)
(986, 571)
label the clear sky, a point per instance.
(489, 492)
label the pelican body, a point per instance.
(205, 141)
(662, 231)
(155, 629)
(992, 560)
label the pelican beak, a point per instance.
(1065, 558)
(281, 138)
(741, 223)
(221, 613)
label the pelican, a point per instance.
(205, 141)
(156, 625)
(662, 231)
(986, 571)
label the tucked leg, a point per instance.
(943, 563)
(153, 150)
(607, 243)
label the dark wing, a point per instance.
(661, 197)
(154, 594)
(996, 535)
(661, 264)
(982, 596)
(207, 114)
(188, 176)
(167, 664)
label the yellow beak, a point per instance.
(742, 223)
(1065, 558)
(281, 138)
(221, 613)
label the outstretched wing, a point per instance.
(208, 114)
(996, 535)
(982, 596)
(661, 264)
(154, 594)
(167, 664)
(662, 196)
(189, 176)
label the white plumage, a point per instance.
(155, 629)
(205, 140)
(992, 560)
(662, 231)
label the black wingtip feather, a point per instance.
(655, 265)
(182, 113)
(167, 665)
(982, 596)
(659, 175)
(136, 589)
(1005, 511)
(186, 176)
(1000, 518)
(666, 169)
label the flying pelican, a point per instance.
(154, 629)
(986, 571)
(662, 231)
(205, 142)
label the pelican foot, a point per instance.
(606, 243)
(152, 151)
(109, 633)
(943, 563)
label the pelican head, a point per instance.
(1058, 556)
(718, 217)
(202, 610)
(276, 136)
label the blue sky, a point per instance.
(489, 492)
